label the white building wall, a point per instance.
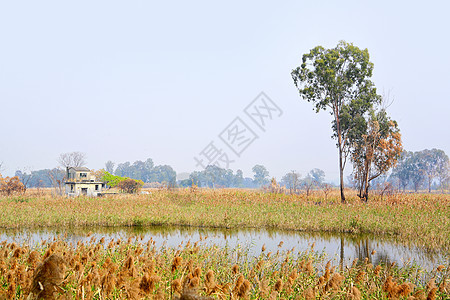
(79, 186)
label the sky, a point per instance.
(131, 80)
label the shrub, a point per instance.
(130, 186)
(11, 185)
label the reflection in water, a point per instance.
(342, 256)
(342, 248)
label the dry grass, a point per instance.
(422, 219)
(133, 270)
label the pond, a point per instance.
(341, 248)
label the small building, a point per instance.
(80, 181)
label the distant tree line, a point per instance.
(429, 169)
(422, 169)
(293, 182)
(215, 177)
(143, 170)
(41, 178)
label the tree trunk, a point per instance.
(366, 185)
(341, 164)
(341, 173)
(366, 196)
(341, 167)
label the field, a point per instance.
(129, 269)
(420, 218)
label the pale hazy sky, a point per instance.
(128, 80)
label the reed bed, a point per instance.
(421, 219)
(135, 270)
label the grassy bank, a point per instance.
(420, 218)
(131, 270)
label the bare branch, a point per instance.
(72, 159)
(387, 100)
(79, 159)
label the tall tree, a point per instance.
(403, 170)
(417, 175)
(433, 162)
(239, 178)
(443, 168)
(308, 184)
(149, 164)
(109, 166)
(56, 177)
(317, 175)
(139, 170)
(212, 175)
(291, 181)
(195, 178)
(124, 170)
(336, 79)
(261, 175)
(375, 150)
(165, 174)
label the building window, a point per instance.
(96, 187)
(71, 187)
(83, 175)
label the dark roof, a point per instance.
(80, 169)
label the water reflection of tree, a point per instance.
(363, 250)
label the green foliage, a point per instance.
(145, 171)
(21, 199)
(214, 176)
(338, 79)
(112, 180)
(124, 183)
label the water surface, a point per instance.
(342, 248)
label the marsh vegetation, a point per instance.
(136, 268)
